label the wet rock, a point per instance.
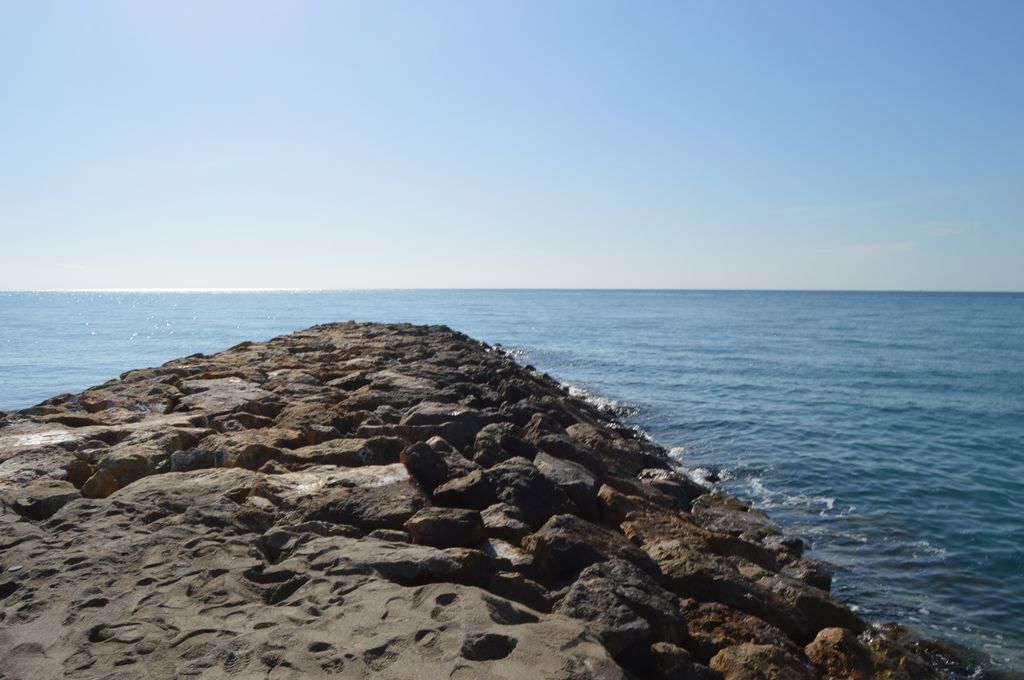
(719, 512)
(445, 527)
(646, 517)
(696, 574)
(815, 605)
(811, 572)
(673, 485)
(898, 653)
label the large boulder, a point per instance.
(502, 521)
(760, 662)
(839, 655)
(519, 483)
(496, 443)
(578, 483)
(434, 462)
(474, 491)
(566, 545)
(627, 608)
(446, 527)
(713, 627)
(384, 499)
(226, 395)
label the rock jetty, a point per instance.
(394, 501)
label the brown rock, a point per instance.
(348, 452)
(473, 491)
(385, 499)
(840, 655)
(445, 527)
(714, 626)
(434, 462)
(501, 520)
(100, 485)
(496, 443)
(760, 662)
(515, 586)
(672, 662)
(226, 395)
(41, 498)
(79, 471)
(696, 574)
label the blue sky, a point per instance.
(822, 145)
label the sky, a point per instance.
(783, 145)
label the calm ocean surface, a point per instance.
(886, 429)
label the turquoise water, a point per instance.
(887, 429)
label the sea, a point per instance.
(885, 429)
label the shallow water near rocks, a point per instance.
(886, 429)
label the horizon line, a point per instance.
(491, 289)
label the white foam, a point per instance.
(707, 476)
(606, 404)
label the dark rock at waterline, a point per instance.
(391, 501)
